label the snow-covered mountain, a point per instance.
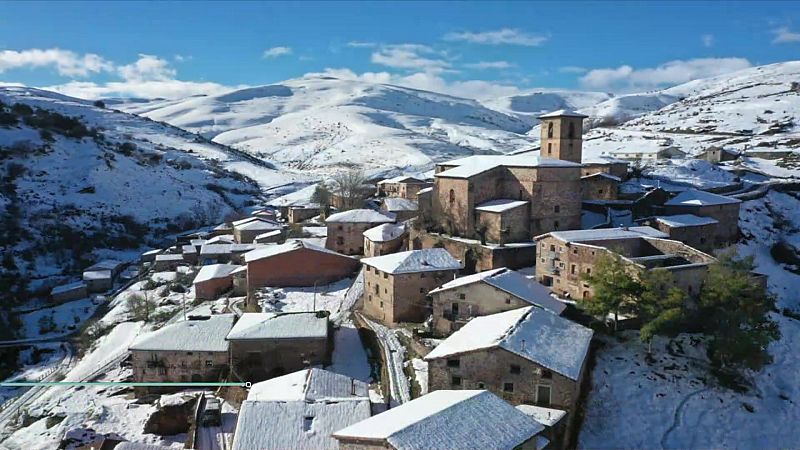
(527, 106)
(77, 178)
(326, 123)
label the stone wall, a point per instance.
(347, 238)
(727, 215)
(473, 300)
(176, 366)
(402, 297)
(599, 188)
(556, 141)
(260, 359)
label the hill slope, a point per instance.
(322, 123)
(80, 182)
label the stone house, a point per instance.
(222, 253)
(169, 261)
(604, 164)
(297, 214)
(296, 263)
(648, 154)
(68, 292)
(552, 419)
(694, 231)
(101, 280)
(385, 239)
(717, 155)
(396, 286)
(150, 255)
(526, 356)
(493, 291)
(502, 221)
(600, 186)
(270, 237)
(346, 229)
(246, 230)
(475, 255)
(564, 256)
(300, 410)
(402, 186)
(446, 420)
(265, 345)
(402, 208)
(724, 210)
(213, 280)
(193, 350)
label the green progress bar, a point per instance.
(114, 383)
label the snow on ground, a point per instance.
(328, 298)
(421, 374)
(394, 353)
(66, 318)
(349, 357)
(696, 173)
(673, 402)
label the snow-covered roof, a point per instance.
(153, 252)
(280, 326)
(514, 283)
(600, 234)
(545, 416)
(563, 113)
(602, 175)
(269, 234)
(385, 232)
(221, 239)
(532, 333)
(273, 250)
(399, 204)
(601, 159)
(99, 274)
(108, 264)
(188, 249)
(68, 287)
(425, 190)
(400, 179)
(170, 257)
(215, 249)
(685, 220)
(240, 222)
(311, 384)
(476, 164)
(500, 205)
(647, 150)
(297, 425)
(258, 225)
(127, 445)
(445, 420)
(695, 197)
(361, 216)
(425, 260)
(214, 271)
(196, 335)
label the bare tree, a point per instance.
(140, 306)
(349, 187)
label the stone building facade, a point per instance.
(724, 210)
(562, 135)
(564, 257)
(346, 229)
(396, 286)
(385, 239)
(402, 186)
(694, 231)
(599, 186)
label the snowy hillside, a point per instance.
(323, 123)
(527, 106)
(78, 179)
(754, 108)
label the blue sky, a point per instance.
(471, 49)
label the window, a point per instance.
(452, 196)
(557, 208)
(552, 248)
(550, 130)
(381, 304)
(455, 380)
(549, 148)
(421, 290)
(599, 191)
(481, 385)
(385, 275)
(189, 353)
(546, 374)
(369, 299)
(555, 225)
(571, 131)
(454, 308)
(543, 395)
(367, 269)
(462, 296)
(340, 241)
(572, 269)
(574, 251)
(453, 363)
(341, 227)
(377, 289)
(508, 301)
(209, 363)
(508, 387)
(515, 369)
(307, 422)
(588, 270)
(422, 275)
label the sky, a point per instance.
(469, 49)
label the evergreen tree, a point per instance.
(616, 287)
(660, 306)
(322, 196)
(735, 310)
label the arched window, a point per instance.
(571, 131)
(550, 130)
(452, 196)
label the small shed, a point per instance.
(213, 280)
(69, 292)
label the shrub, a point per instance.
(99, 104)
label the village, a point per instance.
(460, 291)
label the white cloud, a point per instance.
(410, 57)
(361, 44)
(275, 52)
(147, 67)
(497, 37)
(66, 62)
(475, 89)
(490, 65)
(626, 78)
(784, 35)
(139, 89)
(708, 40)
(572, 69)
